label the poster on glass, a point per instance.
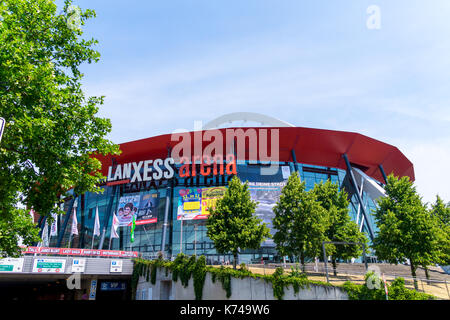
(128, 206)
(148, 209)
(195, 203)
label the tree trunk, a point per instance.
(413, 273)
(333, 262)
(235, 255)
(427, 275)
(302, 260)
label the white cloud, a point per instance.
(431, 162)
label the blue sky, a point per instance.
(315, 64)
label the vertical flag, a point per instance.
(32, 214)
(115, 225)
(54, 227)
(45, 235)
(96, 224)
(74, 223)
(132, 228)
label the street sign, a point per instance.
(11, 265)
(78, 265)
(49, 265)
(116, 266)
(2, 126)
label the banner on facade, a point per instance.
(148, 209)
(196, 203)
(128, 206)
(267, 195)
(143, 207)
(80, 252)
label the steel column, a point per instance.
(355, 186)
(66, 221)
(294, 158)
(383, 173)
(166, 211)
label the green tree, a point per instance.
(300, 221)
(232, 225)
(52, 131)
(441, 212)
(341, 228)
(406, 228)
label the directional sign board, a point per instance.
(2, 126)
(11, 265)
(78, 265)
(116, 266)
(49, 265)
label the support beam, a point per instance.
(42, 226)
(66, 221)
(383, 173)
(166, 211)
(355, 186)
(294, 158)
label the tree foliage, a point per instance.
(232, 225)
(52, 130)
(407, 229)
(300, 221)
(341, 228)
(441, 212)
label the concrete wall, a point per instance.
(241, 289)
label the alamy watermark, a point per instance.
(374, 20)
(73, 17)
(74, 281)
(256, 145)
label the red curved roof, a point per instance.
(312, 146)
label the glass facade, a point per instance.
(189, 236)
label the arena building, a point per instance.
(168, 182)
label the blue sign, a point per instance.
(113, 286)
(92, 294)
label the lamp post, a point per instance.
(195, 239)
(181, 234)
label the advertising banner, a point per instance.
(80, 252)
(210, 197)
(49, 265)
(11, 265)
(143, 207)
(189, 204)
(128, 206)
(148, 209)
(195, 203)
(267, 195)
